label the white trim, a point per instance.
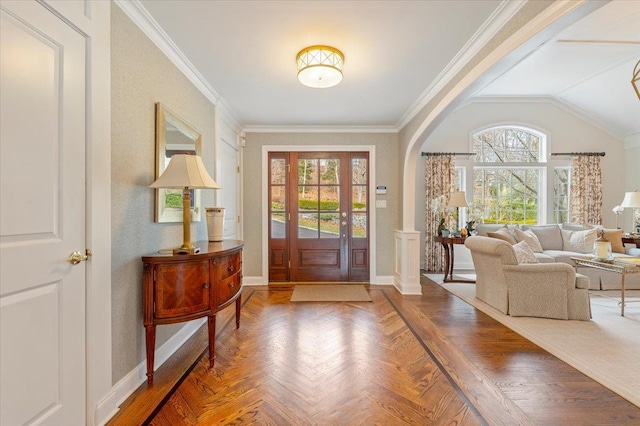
(319, 129)
(132, 380)
(143, 20)
(253, 281)
(371, 149)
(383, 280)
(558, 103)
(503, 13)
(525, 40)
(632, 141)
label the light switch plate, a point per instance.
(381, 204)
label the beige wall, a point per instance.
(566, 133)
(386, 174)
(411, 131)
(141, 76)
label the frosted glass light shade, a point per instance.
(320, 66)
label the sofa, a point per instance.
(559, 242)
(546, 290)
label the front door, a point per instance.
(318, 216)
(42, 179)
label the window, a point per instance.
(509, 175)
(561, 191)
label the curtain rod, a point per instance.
(587, 154)
(436, 154)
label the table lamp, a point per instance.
(458, 199)
(631, 200)
(185, 172)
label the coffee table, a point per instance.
(617, 266)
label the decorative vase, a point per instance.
(441, 227)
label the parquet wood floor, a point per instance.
(429, 359)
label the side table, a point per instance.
(447, 244)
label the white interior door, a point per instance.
(42, 179)
(230, 176)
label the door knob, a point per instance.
(77, 257)
(344, 223)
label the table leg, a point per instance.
(238, 308)
(622, 299)
(448, 270)
(150, 331)
(211, 325)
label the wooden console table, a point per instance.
(447, 244)
(179, 288)
(631, 240)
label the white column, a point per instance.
(407, 270)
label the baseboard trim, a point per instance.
(382, 280)
(129, 383)
(250, 281)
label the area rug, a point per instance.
(607, 348)
(330, 293)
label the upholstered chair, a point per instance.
(547, 290)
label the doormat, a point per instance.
(330, 293)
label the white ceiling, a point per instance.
(589, 66)
(394, 53)
(393, 50)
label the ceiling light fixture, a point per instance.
(635, 80)
(320, 66)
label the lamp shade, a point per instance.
(631, 200)
(185, 171)
(458, 199)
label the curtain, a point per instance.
(585, 203)
(438, 181)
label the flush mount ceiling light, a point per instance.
(635, 80)
(320, 66)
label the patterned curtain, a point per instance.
(439, 175)
(585, 205)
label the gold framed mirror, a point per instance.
(174, 136)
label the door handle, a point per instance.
(77, 257)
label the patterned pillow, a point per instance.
(530, 238)
(504, 234)
(524, 254)
(579, 241)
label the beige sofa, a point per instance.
(551, 240)
(547, 290)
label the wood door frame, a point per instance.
(371, 149)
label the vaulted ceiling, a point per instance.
(395, 53)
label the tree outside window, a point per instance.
(509, 175)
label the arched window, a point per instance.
(509, 175)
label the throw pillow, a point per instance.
(504, 234)
(579, 241)
(615, 237)
(530, 238)
(524, 254)
(549, 236)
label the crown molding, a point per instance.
(632, 141)
(503, 13)
(558, 103)
(150, 27)
(319, 129)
